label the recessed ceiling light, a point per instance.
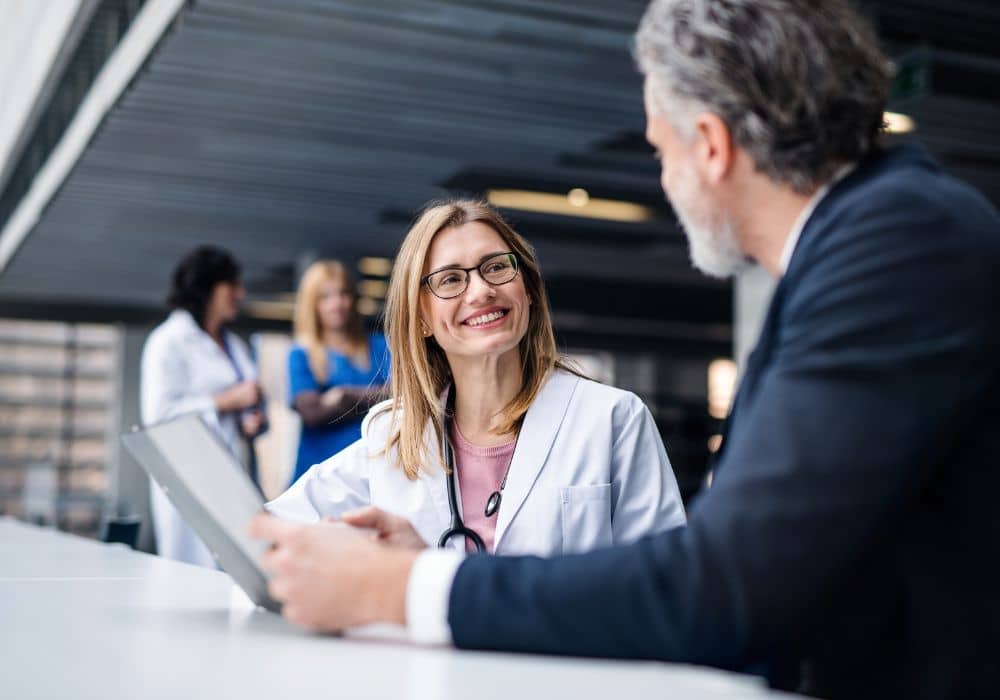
(270, 309)
(897, 123)
(373, 288)
(578, 197)
(714, 443)
(580, 205)
(375, 267)
(368, 306)
(721, 386)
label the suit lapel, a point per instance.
(761, 353)
(538, 431)
(756, 361)
(760, 358)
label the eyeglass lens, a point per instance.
(500, 269)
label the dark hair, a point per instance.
(195, 277)
(802, 84)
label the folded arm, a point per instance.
(335, 406)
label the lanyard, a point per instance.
(232, 358)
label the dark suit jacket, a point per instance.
(852, 529)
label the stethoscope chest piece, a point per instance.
(493, 504)
(457, 527)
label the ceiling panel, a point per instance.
(284, 128)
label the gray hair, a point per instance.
(801, 84)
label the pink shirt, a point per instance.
(480, 471)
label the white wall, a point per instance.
(31, 34)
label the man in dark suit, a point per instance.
(849, 543)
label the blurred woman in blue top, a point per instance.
(335, 371)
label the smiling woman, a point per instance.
(489, 436)
(335, 371)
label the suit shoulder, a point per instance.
(895, 220)
(916, 197)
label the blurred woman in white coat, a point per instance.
(490, 442)
(192, 364)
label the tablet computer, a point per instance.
(209, 487)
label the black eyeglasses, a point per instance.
(453, 281)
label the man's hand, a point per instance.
(330, 577)
(390, 529)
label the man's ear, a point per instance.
(713, 147)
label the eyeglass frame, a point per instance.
(425, 280)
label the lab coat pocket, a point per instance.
(586, 517)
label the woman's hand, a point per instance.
(390, 529)
(332, 397)
(252, 423)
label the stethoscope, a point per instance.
(457, 527)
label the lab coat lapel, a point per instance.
(538, 431)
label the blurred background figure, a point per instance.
(335, 370)
(192, 364)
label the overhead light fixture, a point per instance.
(577, 202)
(373, 288)
(368, 306)
(714, 443)
(897, 123)
(721, 385)
(375, 267)
(271, 310)
(578, 197)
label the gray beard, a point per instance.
(714, 251)
(712, 242)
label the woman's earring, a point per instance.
(424, 329)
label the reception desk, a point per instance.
(82, 619)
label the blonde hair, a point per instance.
(306, 325)
(419, 367)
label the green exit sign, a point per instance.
(913, 76)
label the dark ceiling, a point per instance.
(283, 129)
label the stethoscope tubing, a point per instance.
(458, 528)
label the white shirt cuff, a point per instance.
(427, 594)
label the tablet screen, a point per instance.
(209, 487)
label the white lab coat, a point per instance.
(182, 369)
(589, 471)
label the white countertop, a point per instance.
(83, 619)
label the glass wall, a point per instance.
(58, 404)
